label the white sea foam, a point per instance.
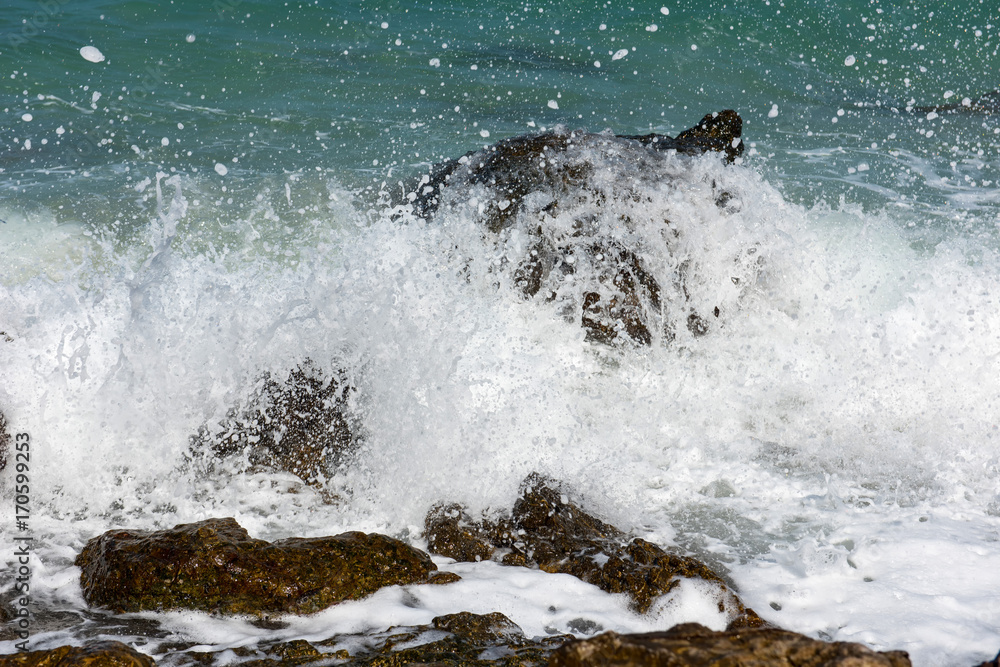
(844, 393)
(92, 53)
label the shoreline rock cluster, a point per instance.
(547, 532)
(215, 566)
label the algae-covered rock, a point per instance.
(545, 530)
(451, 532)
(215, 566)
(571, 217)
(95, 654)
(693, 645)
(299, 424)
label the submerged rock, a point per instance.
(95, 654)
(546, 531)
(564, 209)
(215, 566)
(299, 425)
(693, 645)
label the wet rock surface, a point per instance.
(298, 424)
(520, 165)
(995, 662)
(567, 233)
(693, 645)
(94, 654)
(546, 531)
(215, 566)
(5, 441)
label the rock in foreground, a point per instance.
(693, 645)
(546, 531)
(216, 566)
(96, 654)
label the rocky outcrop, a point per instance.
(299, 425)
(546, 531)
(565, 209)
(693, 645)
(95, 654)
(215, 566)
(518, 166)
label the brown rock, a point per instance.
(599, 269)
(693, 645)
(95, 654)
(478, 627)
(451, 532)
(214, 565)
(546, 531)
(299, 425)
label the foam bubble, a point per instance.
(92, 53)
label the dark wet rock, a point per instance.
(995, 662)
(5, 441)
(95, 654)
(215, 566)
(520, 165)
(564, 207)
(471, 641)
(442, 578)
(451, 532)
(693, 645)
(546, 531)
(299, 425)
(478, 627)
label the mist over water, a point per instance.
(208, 204)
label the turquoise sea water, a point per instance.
(193, 193)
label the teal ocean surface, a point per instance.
(195, 194)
